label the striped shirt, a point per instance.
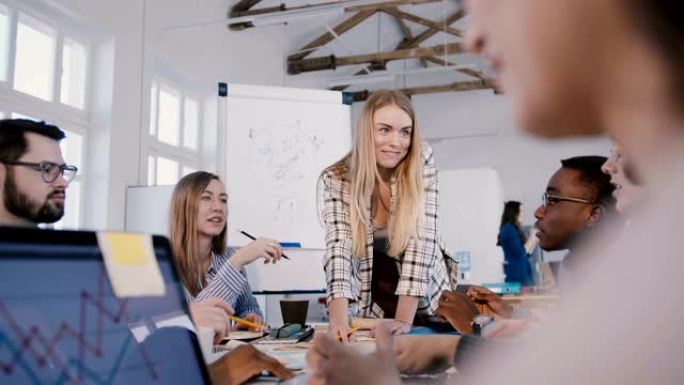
(226, 282)
(425, 267)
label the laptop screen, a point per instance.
(61, 323)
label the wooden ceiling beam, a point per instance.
(408, 35)
(357, 8)
(389, 4)
(360, 96)
(405, 30)
(423, 21)
(244, 5)
(327, 37)
(415, 41)
(430, 32)
(331, 62)
(466, 71)
(453, 87)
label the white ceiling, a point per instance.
(379, 33)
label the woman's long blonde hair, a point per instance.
(183, 228)
(361, 167)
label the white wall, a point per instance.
(469, 215)
(474, 130)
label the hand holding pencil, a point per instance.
(262, 248)
(251, 321)
(349, 334)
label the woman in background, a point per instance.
(212, 273)
(512, 240)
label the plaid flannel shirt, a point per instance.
(425, 267)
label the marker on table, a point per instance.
(250, 236)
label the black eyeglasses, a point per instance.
(48, 170)
(551, 199)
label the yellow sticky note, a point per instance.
(131, 264)
(127, 248)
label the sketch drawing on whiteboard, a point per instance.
(286, 153)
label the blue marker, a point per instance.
(291, 244)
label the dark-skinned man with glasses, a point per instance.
(577, 203)
(33, 174)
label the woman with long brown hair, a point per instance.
(380, 213)
(210, 271)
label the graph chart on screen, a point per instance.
(68, 347)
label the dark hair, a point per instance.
(13, 142)
(591, 176)
(510, 215)
(663, 22)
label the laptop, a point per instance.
(61, 324)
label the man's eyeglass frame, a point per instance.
(546, 198)
(46, 169)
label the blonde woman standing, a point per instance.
(212, 273)
(380, 215)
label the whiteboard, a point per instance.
(278, 140)
(302, 272)
(470, 205)
(147, 209)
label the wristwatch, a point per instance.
(480, 322)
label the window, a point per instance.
(167, 171)
(72, 151)
(188, 170)
(4, 41)
(73, 74)
(35, 55)
(151, 170)
(154, 106)
(16, 115)
(44, 70)
(175, 131)
(169, 115)
(72, 207)
(190, 122)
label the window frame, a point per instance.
(153, 147)
(69, 118)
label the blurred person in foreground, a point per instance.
(628, 186)
(631, 87)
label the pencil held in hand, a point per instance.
(349, 333)
(250, 236)
(244, 322)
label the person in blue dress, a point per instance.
(512, 240)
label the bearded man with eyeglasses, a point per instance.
(33, 175)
